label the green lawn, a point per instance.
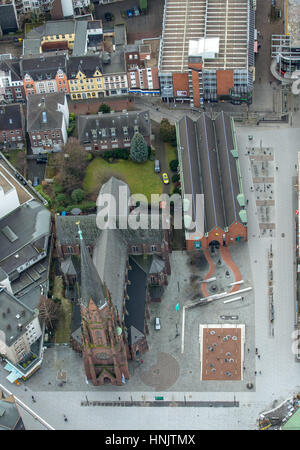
(171, 153)
(140, 178)
(63, 328)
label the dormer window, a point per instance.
(103, 132)
(113, 131)
(125, 131)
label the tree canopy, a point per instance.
(138, 149)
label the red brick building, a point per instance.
(133, 266)
(11, 126)
(102, 132)
(209, 165)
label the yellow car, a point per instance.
(165, 178)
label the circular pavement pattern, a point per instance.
(162, 375)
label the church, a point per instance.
(118, 272)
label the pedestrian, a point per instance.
(256, 350)
(258, 356)
(119, 398)
(248, 350)
(260, 372)
(255, 373)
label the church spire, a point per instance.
(91, 285)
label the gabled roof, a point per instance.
(10, 117)
(42, 111)
(43, 67)
(12, 66)
(87, 64)
(118, 121)
(136, 291)
(91, 285)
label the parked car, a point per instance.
(136, 11)
(157, 323)
(130, 12)
(156, 166)
(108, 17)
(35, 181)
(41, 160)
(165, 178)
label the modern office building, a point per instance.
(207, 51)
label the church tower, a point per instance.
(103, 342)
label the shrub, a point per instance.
(104, 108)
(176, 190)
(77, 195)
(173, 165)
(175, 178)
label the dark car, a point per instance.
(130, 12)
(108, 17)
(41, 160)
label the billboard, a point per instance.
(181, 93)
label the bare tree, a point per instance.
(49, 311)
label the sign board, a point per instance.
(181, 93)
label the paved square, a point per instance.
(222, 351)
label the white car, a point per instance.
(157, 323)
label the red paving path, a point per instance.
(225, 254)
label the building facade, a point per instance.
(85, 77)
(11, 126)
(47, 122)
(103, 132)
(209, 55)
(11, 82)
(44, 74)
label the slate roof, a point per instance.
(67, 266)
(87, 64)
(43, 67)
(31, 46)
(130, 119)
(150, 263)
(136, 291)
(120, 191)
(8, 18)
(80, 38)
(38, 104)
(110, 258)
(228, 168)
(67, 230)
(3, 275)
(91, 286)
(10, 117)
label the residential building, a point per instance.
(285, 65)
(141, 65)
(8, 17)
(77, 37)
(47, 122)
(25, 232)
(19, 329)
(209, 165)
(45, 74)
(114, 74)
(10, 418)
(85, 77)
(11, 126)
(101, 132)
(115, 289)
(33, 6)
(11, 81)
(209, 53)
(61, 9)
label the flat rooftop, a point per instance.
(186, 20)
(7, 181)
(222, 351)
(293, 20)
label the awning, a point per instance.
(14, 375)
